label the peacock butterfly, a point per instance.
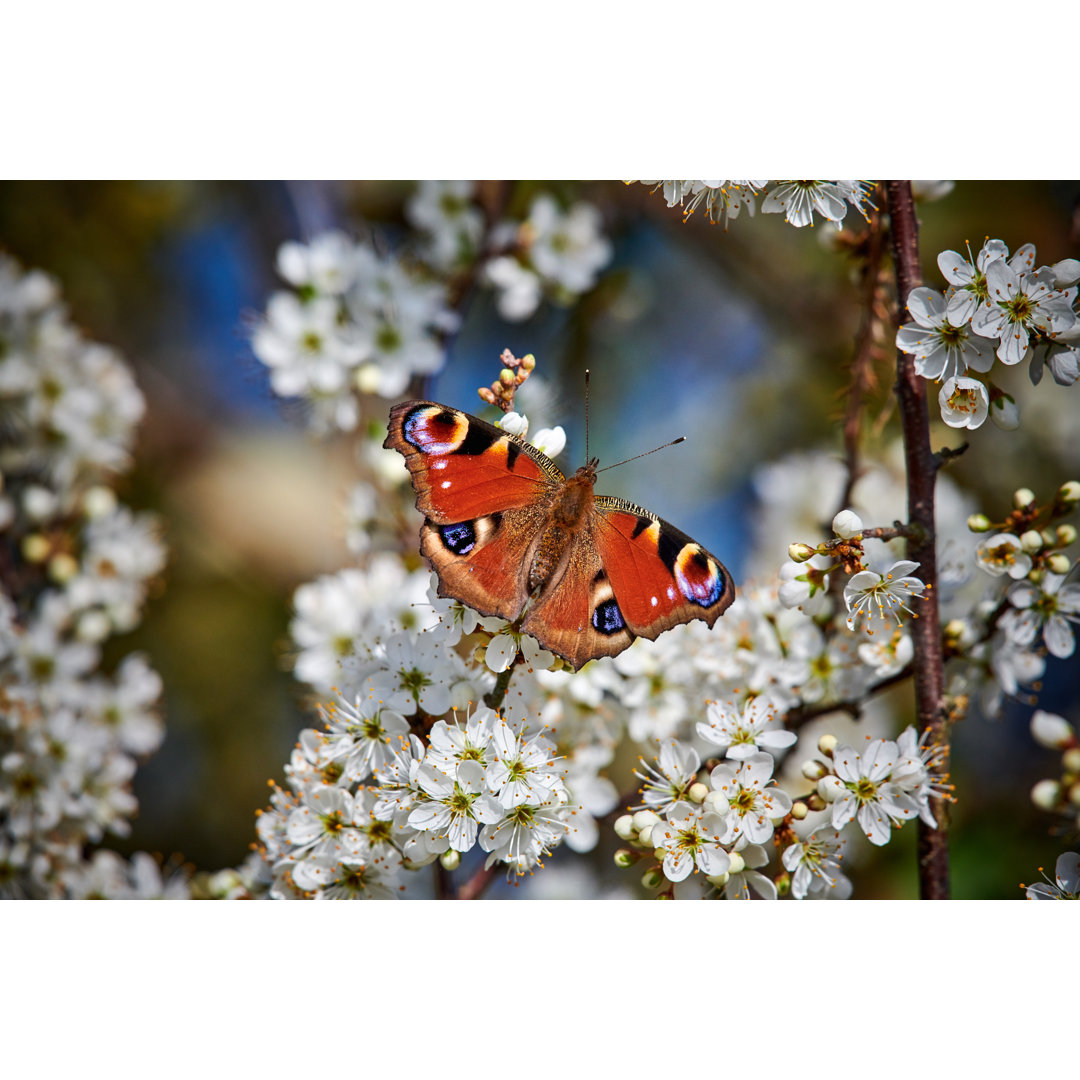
(504, 527)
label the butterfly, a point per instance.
(507, 533)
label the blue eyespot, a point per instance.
(459, 538)
(607, 618)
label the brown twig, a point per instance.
(921, 469)
(474, 888)
(862, 370)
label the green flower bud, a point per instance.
(652, 879)
(1069, 492)
(979, 523)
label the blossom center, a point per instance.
(963, 399)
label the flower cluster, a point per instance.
(995, 306)
(476, 778)
(554, 252)
(712, 824)
(353, 321)
(70, 733)
(797, 200)
(885, 785)
(1027, 609)
(357, 322)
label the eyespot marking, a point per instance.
(435, 430)
(698, 577)
(607, 618)
(459, 538)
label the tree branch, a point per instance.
(921, 476)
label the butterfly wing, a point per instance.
(577, 617)
(659, 577)
(629, 574)
(483, 494)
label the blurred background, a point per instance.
(737, 339)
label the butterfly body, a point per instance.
(508, 534)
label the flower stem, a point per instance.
(921, 467)
(494, 698)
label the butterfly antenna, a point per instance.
(586, 414)
(681, 438)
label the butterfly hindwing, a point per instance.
(659, 576)
(463, 467)
(577, 617)
(482, 562)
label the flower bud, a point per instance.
(815, 802)
(645, 837)
(1004, 413)
(717, 802)
(800, 552)
(698, 792)
(1037, 576)
(63, 567)
(528, 361)
(813, 770)
(830, 788)
(799, 810)
(1023, 498)
(643, 819)
(93, 626)
(1049, 538)
(737, 864)
(1031, 541)
(35, 548)
(1059, 563)
(827, 744)
(652, 879)
(514, 423)
(624, 827)
(1046, 794)
(625, 858)
(450, 860)
(1052, 731)
(719, 880)
(98, 502)
(847, 524)
(1070, 760)
(1069, 493)
(506, 377)
(1065, 535)
(39, 503)
(979, 523)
